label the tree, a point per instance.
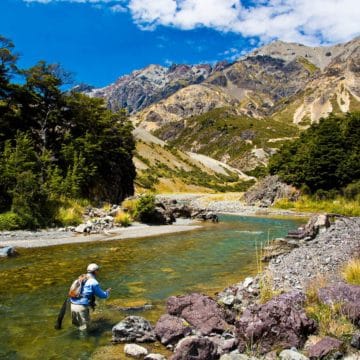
(326, 156)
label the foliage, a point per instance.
(145, 207)
(10, 221)
(325, 157)
(55, 143)
(352, 191)
(351, 272)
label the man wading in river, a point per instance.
(82, 296)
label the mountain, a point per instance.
(149, 85)
(239, 113)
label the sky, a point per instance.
(100, 40)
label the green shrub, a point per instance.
(352, 191)
(10, 221)
(145, 208)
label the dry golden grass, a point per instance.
(305, 203)
(267, 291)
(129, 205)
(351, 272)
(123, 219)
(228, 196)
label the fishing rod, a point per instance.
(61, 315)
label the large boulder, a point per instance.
(170, 329)
(133, 329)
(316, 224)
(281, 322)
(324, 348)
(195, 348)
(200, 311)
(268, 190)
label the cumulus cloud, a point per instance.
(307, 21)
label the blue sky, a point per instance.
(99, 40)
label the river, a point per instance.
(34, 285)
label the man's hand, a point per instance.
(108, 290)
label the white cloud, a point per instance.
(307, 21)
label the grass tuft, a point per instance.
(71, 212)
(351, 272)
(123, 219)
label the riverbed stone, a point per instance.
(195, 348)
(281, 322)
(324, 348)
(135, 350)
(170, 329)
(133, 328)
(339, 293)
(153, 356)
(200, 311)
(289, 354)
(7, 251)
(355, 341)
(224, 345)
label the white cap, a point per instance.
(92, 267)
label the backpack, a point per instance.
(77, 286)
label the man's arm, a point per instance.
(100, 292)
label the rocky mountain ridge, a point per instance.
(151, 84)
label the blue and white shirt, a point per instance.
(91, 287)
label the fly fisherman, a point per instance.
(89, 288)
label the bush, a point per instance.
(351, 272)
(352, 191)
(10, 221)
(145, 208)
(122, 219)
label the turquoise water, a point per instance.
(148, 270)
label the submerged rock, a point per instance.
(133, 328)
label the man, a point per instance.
(90, 288)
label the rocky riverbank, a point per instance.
(239, 324)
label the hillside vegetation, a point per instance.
(243, 142)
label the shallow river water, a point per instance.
(33, 285)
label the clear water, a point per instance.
(34, 285)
